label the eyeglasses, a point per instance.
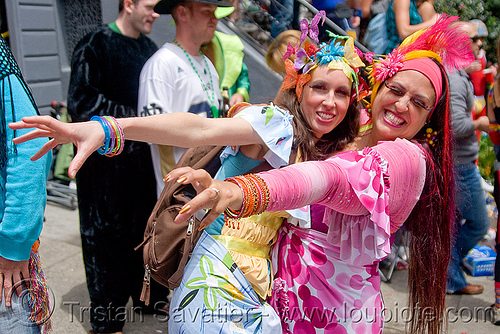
(401, 92)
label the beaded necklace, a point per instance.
(213, 108)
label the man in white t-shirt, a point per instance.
(178, 77)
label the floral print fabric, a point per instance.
(329, 282)
(215, 297)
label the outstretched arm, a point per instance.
(291, 187)
(176, 129)
(341, 186)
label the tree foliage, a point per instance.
(487, 11)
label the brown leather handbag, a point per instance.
(167, 246)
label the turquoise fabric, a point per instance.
(392, 31)
(22, 181)
(236, 165)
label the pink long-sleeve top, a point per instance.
(383, 182)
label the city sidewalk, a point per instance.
(60, 251)
(62, 259)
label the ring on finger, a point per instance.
(217, 192)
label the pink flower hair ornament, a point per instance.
(387, 67)
(443, 42)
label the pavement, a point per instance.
(60, 250)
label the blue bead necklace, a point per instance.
(213, 108)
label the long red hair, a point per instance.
(430, 225)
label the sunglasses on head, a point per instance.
(475, 38)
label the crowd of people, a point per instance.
(358, 146)
(379, 24)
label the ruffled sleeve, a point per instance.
(388, 180)
(274, 126)
(368, 177)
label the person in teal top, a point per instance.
(226, 53)
(22, 205)
(403, 18)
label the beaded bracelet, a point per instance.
(114, 138)
(256, 192)
(357, 12)
(234, 213)
(252, 204)
(255, 196)
(233, 109)
(264, 195)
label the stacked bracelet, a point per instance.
(234, 108)
(114, 139)
(255, 196)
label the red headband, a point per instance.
(430, 69)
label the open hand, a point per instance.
(86, 136)
(212, 194)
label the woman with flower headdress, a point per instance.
(228, 277)
(399, 170)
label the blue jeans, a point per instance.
(14, 319)
(471, 207)
(285, 16)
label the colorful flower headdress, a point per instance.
(442, 42)
(339, 54)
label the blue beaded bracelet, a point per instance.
(357, 12)
(107, 137)
(112, 135)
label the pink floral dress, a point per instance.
(329, 282)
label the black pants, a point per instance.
(115, 198)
